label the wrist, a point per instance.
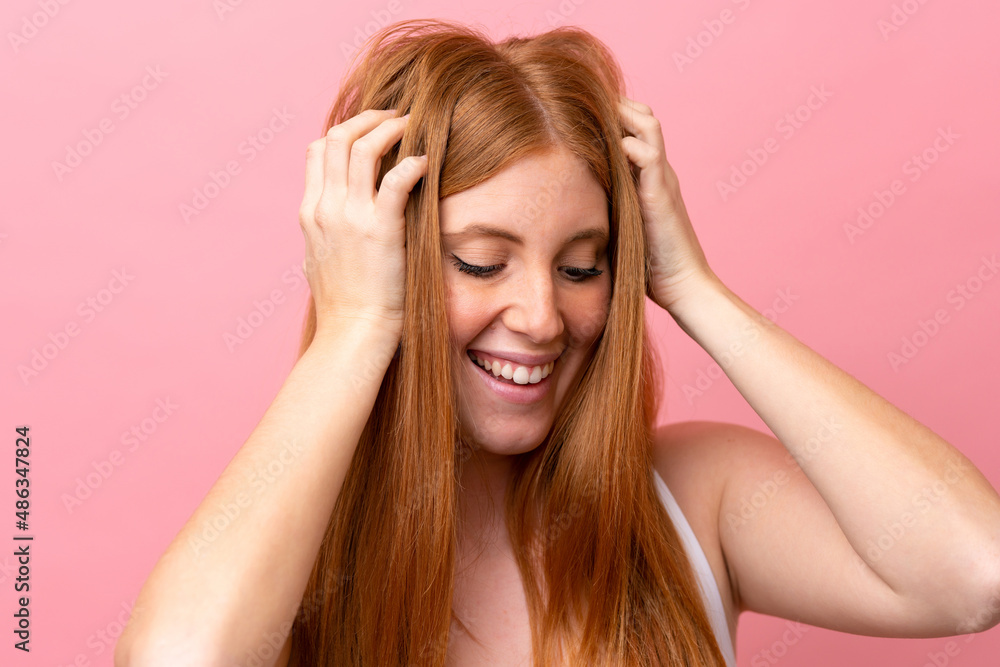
(720, 322)
(694, 294)
(363, 332)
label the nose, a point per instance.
(534, 307)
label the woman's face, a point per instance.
(542, 225)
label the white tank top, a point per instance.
(702, 570)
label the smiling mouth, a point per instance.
(513, 374)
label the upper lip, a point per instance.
(518, 358)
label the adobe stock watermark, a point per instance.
(828, 428)
(406, 506)
(32, 23)
(562, 521)
(787, 126)
(103, 640)
(8, 569)
(224, 7)
(549, 193)
(899, 15)
(985, 618)
(703, 39)
(258, 480)
(914, 168)
(950, 650)
(312, 602)
(380, 19)
(373, 368)
(780, 647)
(409, 505)
(121, 108)
(957, 297)
(533, 207)
(706, 377)
(88, 310)
(763, 492)
(248, 149)
(102, 469)
(268, 649)
(920, 504)
(751, 505)
(562, 13)
(263, 309)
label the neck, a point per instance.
(483, 485)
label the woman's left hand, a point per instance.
(677, 264)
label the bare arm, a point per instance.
(232, 580)
(890, 531)
(881, 526)
(236, 572)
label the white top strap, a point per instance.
(703, 572)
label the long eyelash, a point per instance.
(578, 274)
(583, 274)
(478, 271)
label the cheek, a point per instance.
(466, 313)
(587, 314)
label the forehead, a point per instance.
(555, 186)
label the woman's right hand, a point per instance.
(354, 259)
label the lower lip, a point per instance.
(514, 393)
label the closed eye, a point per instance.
(478, 271)
(576, 274)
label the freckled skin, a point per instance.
(531, 304)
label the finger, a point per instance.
(365, 156)
(314, 179)
(640, 121)
(638, 106)
(644, 156)
(396, 185)
(628, 109)
(339, 140)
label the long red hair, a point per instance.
(606, 578)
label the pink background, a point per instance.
(161, 336)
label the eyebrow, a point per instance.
(481, 229)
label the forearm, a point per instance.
(911, 505)
(237, 570)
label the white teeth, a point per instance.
(519, 374)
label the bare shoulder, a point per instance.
(700, 446)
(697, 459)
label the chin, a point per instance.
(507, 437)
(490, 423)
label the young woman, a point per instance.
(470, 472)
